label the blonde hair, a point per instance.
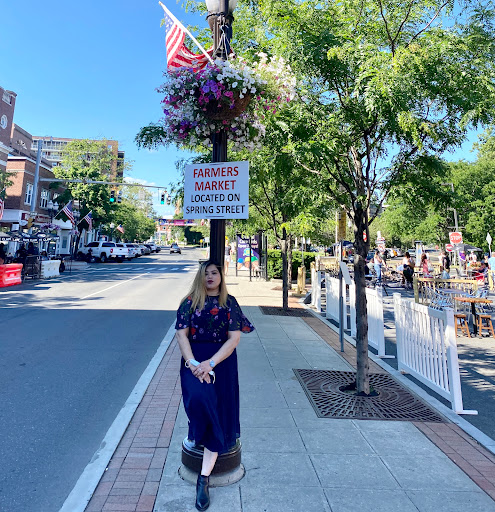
(197, 293)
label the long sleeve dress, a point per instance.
(212, 409)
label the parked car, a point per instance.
(152, 246)
(134, 251)
(144, 249)
(105, 251)
(175, 248)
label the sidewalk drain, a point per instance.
(274, 311)
(392, 402)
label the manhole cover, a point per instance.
(270, 310)
(392, 402)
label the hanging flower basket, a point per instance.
(227, 111)
(226, 95)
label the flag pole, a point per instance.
(205, 53)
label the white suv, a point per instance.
(134, 251)
(105, 251)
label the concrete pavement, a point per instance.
(294, 460)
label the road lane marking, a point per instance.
(110, 287)
(79, 497)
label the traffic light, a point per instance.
(162, 198)
(119, 196)
(168, 199)
(112, 196)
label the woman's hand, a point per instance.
(202, 371)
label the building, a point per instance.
(53, 149)
(7, 107)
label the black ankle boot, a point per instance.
(202, 492)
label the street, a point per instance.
(72, 351)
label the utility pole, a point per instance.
(34, 199)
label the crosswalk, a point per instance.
(133, 269)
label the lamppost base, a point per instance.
(228, 468)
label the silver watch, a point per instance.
(212, 363)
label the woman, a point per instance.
(408, 269)
(209, 325)
(424, 265)
(378, 262)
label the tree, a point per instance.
(390, 87)
(87, 159)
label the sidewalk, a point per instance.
(294, 460)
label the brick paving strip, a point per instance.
(475, 460)
(131, 480)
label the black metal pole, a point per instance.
(250, 258)
(341, 302)
(222, 26)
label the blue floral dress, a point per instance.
(212, 409)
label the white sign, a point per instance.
(488, 239)
(216, 191)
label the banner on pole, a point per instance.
(216, 191)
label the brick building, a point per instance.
(7, 107)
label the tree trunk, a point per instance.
(361, 250)
(285, 275)
(289, 262)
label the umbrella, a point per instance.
(467, 247)
(5, 236)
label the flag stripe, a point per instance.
(1, 208)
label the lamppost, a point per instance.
(228, 465)
(52, 208)
(220, 19)
(112, 225)
(77, 216)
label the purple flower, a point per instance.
(205, 88)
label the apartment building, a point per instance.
(54, 147)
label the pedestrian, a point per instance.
(408, 270)
(491, 270)
(209, 326)
(378, 263)
(227, 258)
(424, 265)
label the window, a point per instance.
(108, 244)
(7, 97)
(29, 193)
(92, 244)
(44, 198)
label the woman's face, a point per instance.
(212, 280)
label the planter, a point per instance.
(224, 112)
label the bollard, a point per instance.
(301, 280)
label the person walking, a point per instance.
(424, 265)
(227, 258)
(209, 325)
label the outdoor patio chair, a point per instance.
(462, 324)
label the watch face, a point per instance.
(3, 122)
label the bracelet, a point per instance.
(190, 362)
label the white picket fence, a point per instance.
(376, 326)
(316, 279)
(427, 349)
(332, 293)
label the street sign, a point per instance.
(455, 237)
(488, 239)
(380, 239)
(365, 236)
(216, 190)
(381, 247)
(449, 247)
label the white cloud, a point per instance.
(139, 181)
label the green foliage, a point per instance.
(275, 262)
(92, 160)
(138, 227)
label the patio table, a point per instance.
(473, 301)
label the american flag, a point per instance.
(1, 208)
(120, 228)
(89, 219)
(67, 209)
(178, 55)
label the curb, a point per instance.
(82, 492)
(484, 440)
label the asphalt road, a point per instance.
(71, 351)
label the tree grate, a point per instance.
(392, 402)
(274, 311)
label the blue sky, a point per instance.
(90, 69)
